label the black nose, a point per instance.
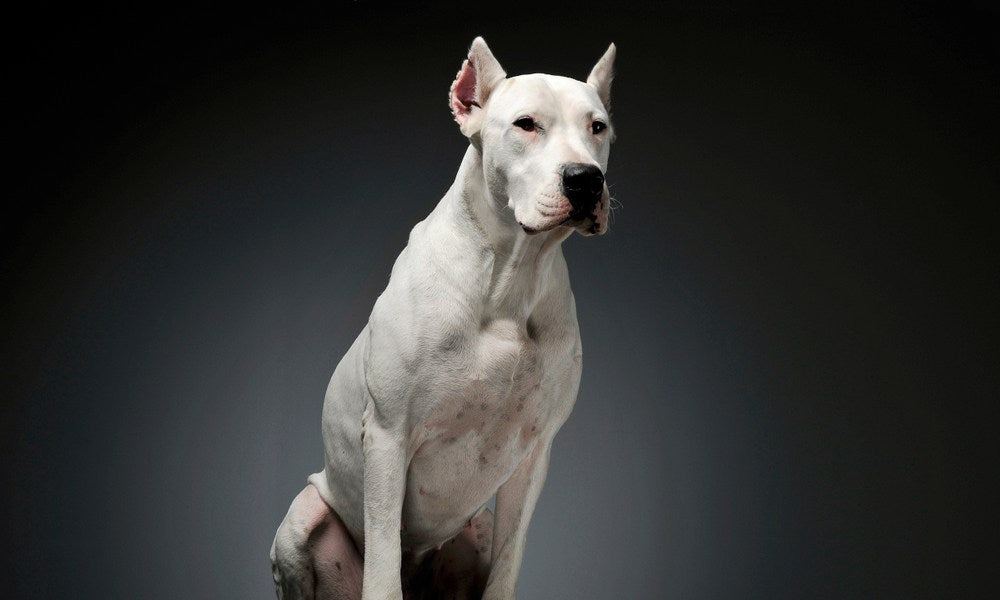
(583, 184)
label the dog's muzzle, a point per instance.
(583, 185)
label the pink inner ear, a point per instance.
(463, 92)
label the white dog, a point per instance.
(470, 361)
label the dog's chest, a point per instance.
(474, 436)
(494, 394)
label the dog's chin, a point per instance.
(535, 229)
(586, 226)
(595, 223)
(536, 226)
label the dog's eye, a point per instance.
(525, 123)
(598, 127)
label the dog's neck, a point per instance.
(520, 262)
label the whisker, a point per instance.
(613, 205)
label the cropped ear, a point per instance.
(479, 76)
(601, 75)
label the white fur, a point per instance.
(471, 359)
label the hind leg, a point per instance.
(459, 569)
(462, 566)
(313, 556)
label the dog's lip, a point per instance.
(530, 230)
(564, 223)
(582, 223)
(577, 222)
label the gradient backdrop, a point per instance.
(790, 371)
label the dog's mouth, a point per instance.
(588, 225)
(591, 220)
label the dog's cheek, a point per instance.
(496, 181)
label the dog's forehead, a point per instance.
(529, 92)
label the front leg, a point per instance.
(515, 503)
(384, 488)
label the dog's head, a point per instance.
(544, 140)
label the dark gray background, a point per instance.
(790, 372)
